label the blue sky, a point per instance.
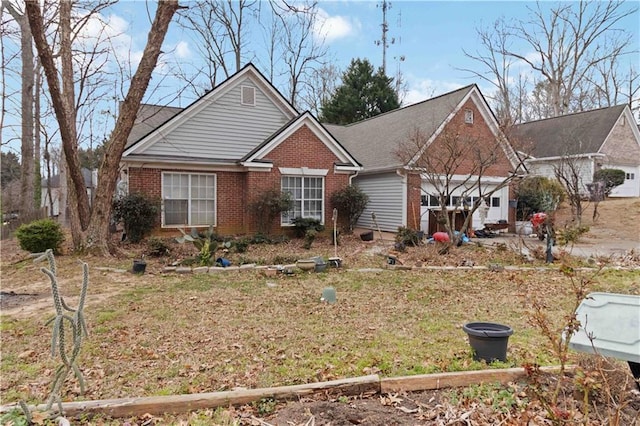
(430, 35)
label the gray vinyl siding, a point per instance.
(386, 200)
(225, 129)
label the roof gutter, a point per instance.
(562, 157)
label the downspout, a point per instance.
(353, 176)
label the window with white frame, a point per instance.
(307, 194)
(630, 176)
(468, 116)
(188, 199)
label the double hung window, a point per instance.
(188, 199)
(307, 196)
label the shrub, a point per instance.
(303, 224)
(570, 234)
(268, 206)
(407, 237)
(157, 247)
(40, 235)
(138, 213)
(241, 245)
(610, 177)
(309, 238)
(351, 202)
(538, 194)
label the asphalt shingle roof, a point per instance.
(149, 118)
(572, 134)
(374, 141)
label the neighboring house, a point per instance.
(588, 141)
(51, 190)
(398, 194)
(209, 161)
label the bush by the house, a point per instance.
(40, 235)
(610, 177)
(350, 202)
(157, 247)
(302, 225)
(138, 213)
(268, 206)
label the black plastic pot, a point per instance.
(488, 340)
(139, 266)
(367, 236)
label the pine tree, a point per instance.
(364, 93)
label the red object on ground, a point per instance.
(441, 237)
(538, 219)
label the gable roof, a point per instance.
(153, 123)
(149, 118)
(374, 141)
(572, 134)
(167, 119)
(347, 161)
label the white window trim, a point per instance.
(468, 116)
(302, 172)
(215, 199)
(303, 176)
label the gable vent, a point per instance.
(248, 95)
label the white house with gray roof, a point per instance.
(591, 140)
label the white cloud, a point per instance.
(421, 89)
(332, 28)
(182, 50)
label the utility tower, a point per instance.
(385, 6)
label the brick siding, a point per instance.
(235, 190)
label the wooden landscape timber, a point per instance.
(458, 379)
(157, 405)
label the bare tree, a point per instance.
(570, 42)
(461, 164)
(221, 31)
(27, 187)
(302, 52)
(571, 171)
(497, 70)
(321, 86)
(90, 226)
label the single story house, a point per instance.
(589, 141)
(402, 188)
(209, 161)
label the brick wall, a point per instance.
(301, 149)
(230, 193)
(235, 190)
(477, 136)
(621, 146)
(414, 191)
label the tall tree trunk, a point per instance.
(37, 184)
(90, 228)
(77, 193)
(28, 78)
(97, 235)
